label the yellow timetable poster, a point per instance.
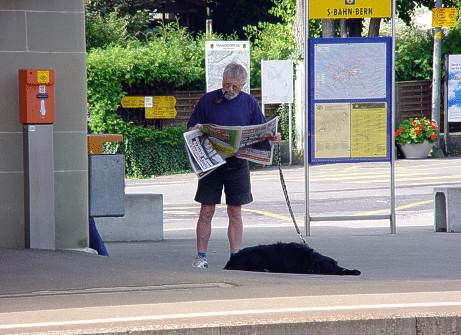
(332, 130)
(369, 129)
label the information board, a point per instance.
(277, 81)
(454, 88)
(220, 53)
(350, 99)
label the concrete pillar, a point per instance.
(45, 34)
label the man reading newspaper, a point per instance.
(226, 107)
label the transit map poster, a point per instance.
(350, 99)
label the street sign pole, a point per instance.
(307, 221)
(393, 114)
(436, 76)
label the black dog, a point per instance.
(286, 258)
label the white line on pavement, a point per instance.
(230, 313)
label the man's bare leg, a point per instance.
(235, 228)
(203, 229)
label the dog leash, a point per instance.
(285, 193)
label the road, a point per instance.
(335, 190)
(406, 278)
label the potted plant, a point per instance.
(416, 136)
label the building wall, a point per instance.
(45, 34)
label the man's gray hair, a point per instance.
(235, 71)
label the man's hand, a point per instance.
(198, 126)
(274, 138)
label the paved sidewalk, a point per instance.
(414, 273)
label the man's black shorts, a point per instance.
(234, 176)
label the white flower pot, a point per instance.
(416, 150)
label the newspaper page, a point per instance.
(253, 144)
(253, 134)
(208, 149)
(202, 151)
(225, 140)
(195, 167)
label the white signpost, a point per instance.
(277, 88)
(220, 53)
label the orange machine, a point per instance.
(36, 96)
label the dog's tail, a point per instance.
(347, 272)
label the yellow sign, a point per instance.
(43, 77)
(444, 17)
(332, 130)
(369, 129)
(157, 107)
(133, 102)
(349, 9)
(164, 107)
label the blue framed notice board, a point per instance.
(350, 100)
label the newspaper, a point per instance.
(208, 149)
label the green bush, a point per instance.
(161, 153)
(451, 44)
(283, 113)
(172, 58)
(415, 51)
(105, 30)
(413, 56)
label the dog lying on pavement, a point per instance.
(286, 258)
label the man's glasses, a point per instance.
(234, 87)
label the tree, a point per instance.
(231, 16)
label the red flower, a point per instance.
(433, 127)
(417, 131)
(433, 136)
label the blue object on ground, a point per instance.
(96, 241)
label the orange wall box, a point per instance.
(36, 96)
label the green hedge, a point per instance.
(162, 154)
(173, 58)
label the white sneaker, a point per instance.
(200, 262)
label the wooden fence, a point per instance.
(186, 100)
(414, 99)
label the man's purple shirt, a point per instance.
(214, 108)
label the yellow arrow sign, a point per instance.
(133, 102)
(444, 17)
(157, 107)
(349, 9)
(164, 107)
